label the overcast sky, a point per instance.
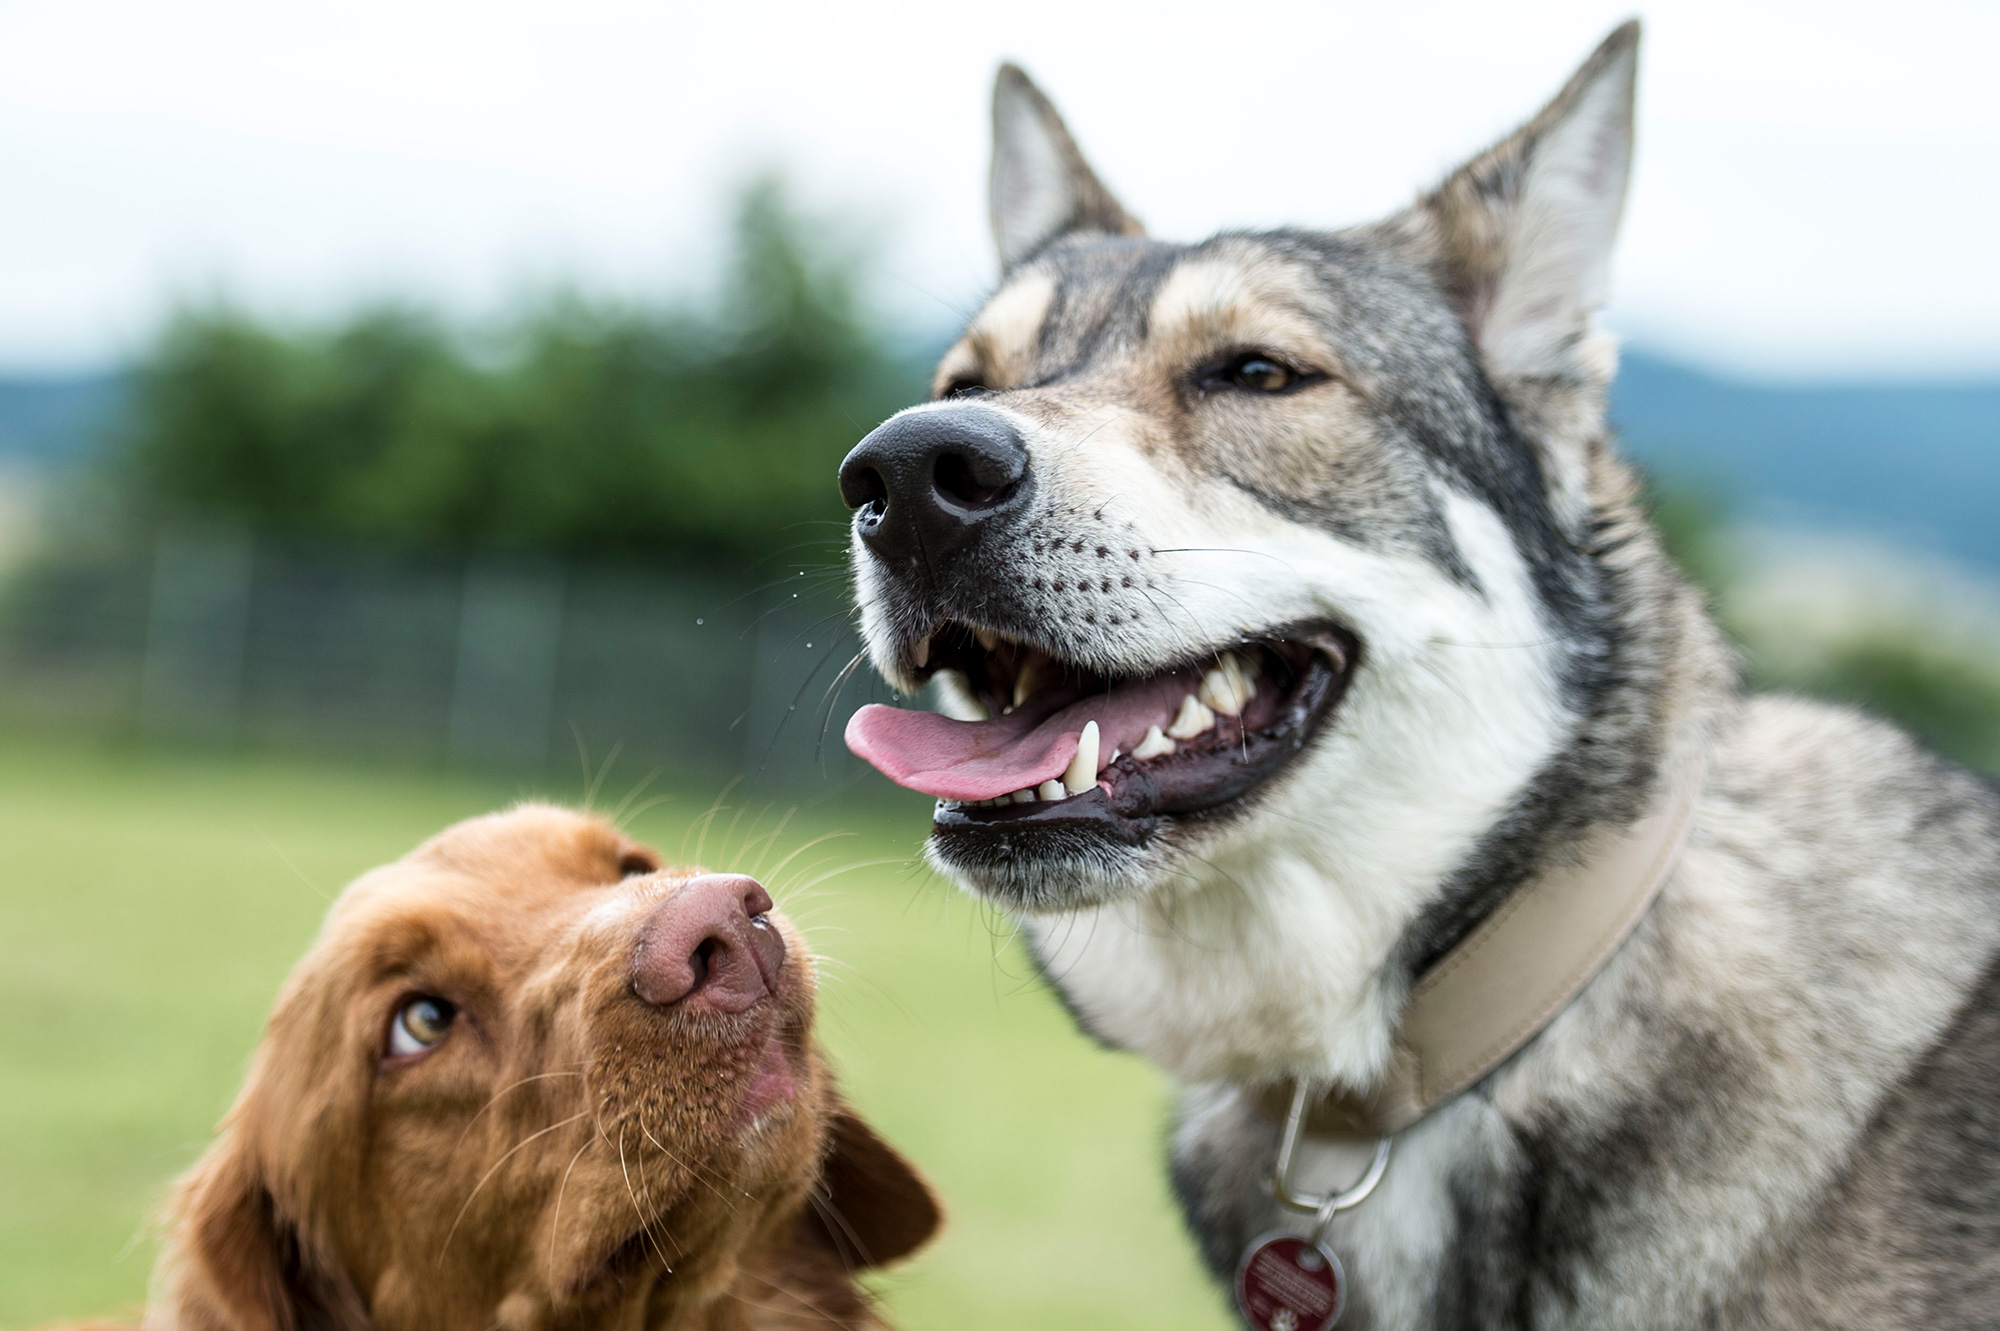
(1817, 188)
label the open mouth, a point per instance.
(1062, 746)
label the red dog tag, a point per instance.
(1286, 1283)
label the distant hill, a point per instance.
(57, 420)
(1916, 464)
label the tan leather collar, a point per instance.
(1509, 978)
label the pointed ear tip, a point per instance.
(1622, 45)
(1615, 63)
(1010, 79)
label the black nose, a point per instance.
(924, 483)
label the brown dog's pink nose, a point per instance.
(709, 945)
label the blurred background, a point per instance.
(409, 407)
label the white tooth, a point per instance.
(1051, 789)
(1227, 688)
(1023, 797)
(1220, 690)
(1192, 720)
(1081, 774)
(956, 699)
(1246, 673)
(1114, 756)
(1024, 683)
(920, 655)
(1212, 690)
(1155, 745)
(987, 638)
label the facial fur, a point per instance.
(568, 1153)
(1431, 484)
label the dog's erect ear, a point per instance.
(871, 1207)
(238, 1264)
(1524, 231)
(1041, 187)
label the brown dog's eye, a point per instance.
(965, 386)
(1253, 372)
(419, 1025)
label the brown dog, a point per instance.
(527, 1078)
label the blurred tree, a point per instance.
(1888, 658)
(1948, 697)
(1693, 521)
(709, 431)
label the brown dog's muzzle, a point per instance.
(710, 946)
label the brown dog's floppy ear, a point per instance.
(871, 1207)
(240, 1265)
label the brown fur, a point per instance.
(566, 1157)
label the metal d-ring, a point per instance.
(1324, 1206)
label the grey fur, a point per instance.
(1776, 1105)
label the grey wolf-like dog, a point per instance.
(1325, 536)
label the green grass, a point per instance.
(151, 903)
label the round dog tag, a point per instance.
(1287, 1283)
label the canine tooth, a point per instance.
(1081, 774)
(1051, 789)
(1155, 745)
(1024, 683)
(1114, 756)
(987, 638)
(1192, 719)
(920, 654)
(1022, 797)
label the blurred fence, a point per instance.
(213, 637)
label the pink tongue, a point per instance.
(977, 760)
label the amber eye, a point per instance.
(1252, 372)
(419, 1025)
(1261, 375)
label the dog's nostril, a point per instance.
(956, 480)
(863, 487)
(698, 963)
(711, 945)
